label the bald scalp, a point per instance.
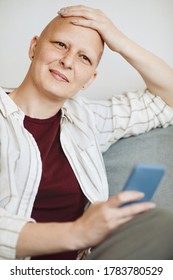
(52, 25)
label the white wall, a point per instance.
(148, 22)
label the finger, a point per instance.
(135, 209)
(74, 11)
(75, 8)
(117, 222)
(122, 221)
(80, 11)
(86, 23)
(124, 197)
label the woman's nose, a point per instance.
(67, 60)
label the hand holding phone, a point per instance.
(144, 178)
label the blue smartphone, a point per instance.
(144, 178)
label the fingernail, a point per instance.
(141, 194)
(152, 205)
(74, 20)
(62, 11)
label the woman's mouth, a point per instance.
(58, 76)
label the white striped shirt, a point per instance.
(88, 128)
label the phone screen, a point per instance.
(145, 178)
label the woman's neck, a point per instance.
(33, 104)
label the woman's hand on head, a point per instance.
(97, 20)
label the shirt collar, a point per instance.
(7, 106)
(66, 112)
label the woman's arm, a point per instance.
(44, 238)
(89, 230)
(157, 75)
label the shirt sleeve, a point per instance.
(128, 114)
(10, 228)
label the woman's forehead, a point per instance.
(60, 24)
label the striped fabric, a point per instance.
(88, 128)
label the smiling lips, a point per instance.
(59, 76)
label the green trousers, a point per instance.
(149, 236)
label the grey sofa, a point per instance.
(155, 146)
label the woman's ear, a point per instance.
(90, 81)
(32, 47)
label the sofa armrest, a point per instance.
(155, 146)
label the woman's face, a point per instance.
(64, 58)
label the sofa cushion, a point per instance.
(155, 146)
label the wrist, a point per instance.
(77, 236)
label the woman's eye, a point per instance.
(84, 57)
(61, 44)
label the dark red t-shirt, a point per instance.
(59, 198)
